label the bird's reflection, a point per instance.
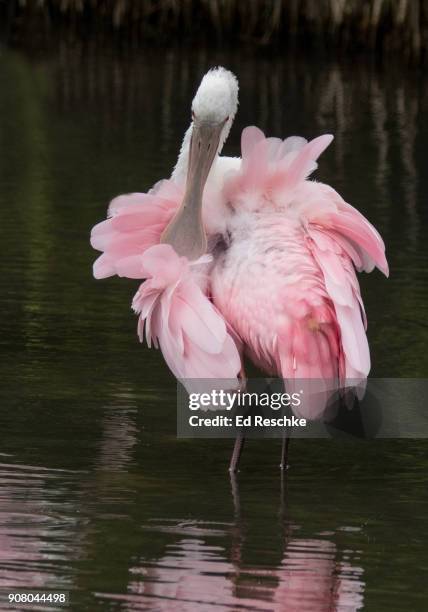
(57, 525)
(311, 573)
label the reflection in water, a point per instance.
(312, 578)
(38, 536)
(195, 574)
(119, 433)
(204, 564)
(407, 113)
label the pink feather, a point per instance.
(298, 243)
(135, 223)
(286, 285)
(180, 318)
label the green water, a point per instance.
(97, 496)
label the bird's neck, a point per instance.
(179, 173)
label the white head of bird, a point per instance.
(216, 101)
(213, 110)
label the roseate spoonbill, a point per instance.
(244, 255)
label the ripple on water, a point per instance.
(37, 533)
(196, 574)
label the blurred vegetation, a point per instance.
(381, 25)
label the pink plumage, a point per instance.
(135, 223)
(287, 281)
(285, 284)
(172, 303)
(180, 319)
(246, 255)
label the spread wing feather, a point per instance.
(136, 222)
(325, 239)
(174, 312)
(180, 319)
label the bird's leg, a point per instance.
(236, 541)
(283, 497)
(240, 438)
(237, 450)
(283, 466)
(234, 486)
(284, 452)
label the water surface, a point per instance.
(97, 496)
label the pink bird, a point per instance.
(244, 256)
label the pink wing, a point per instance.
(313, 325)
(341, 242)
(181, 320)
(272, 168)
(172, 306)
(328, 345)
(338, 236)
(136, 222)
